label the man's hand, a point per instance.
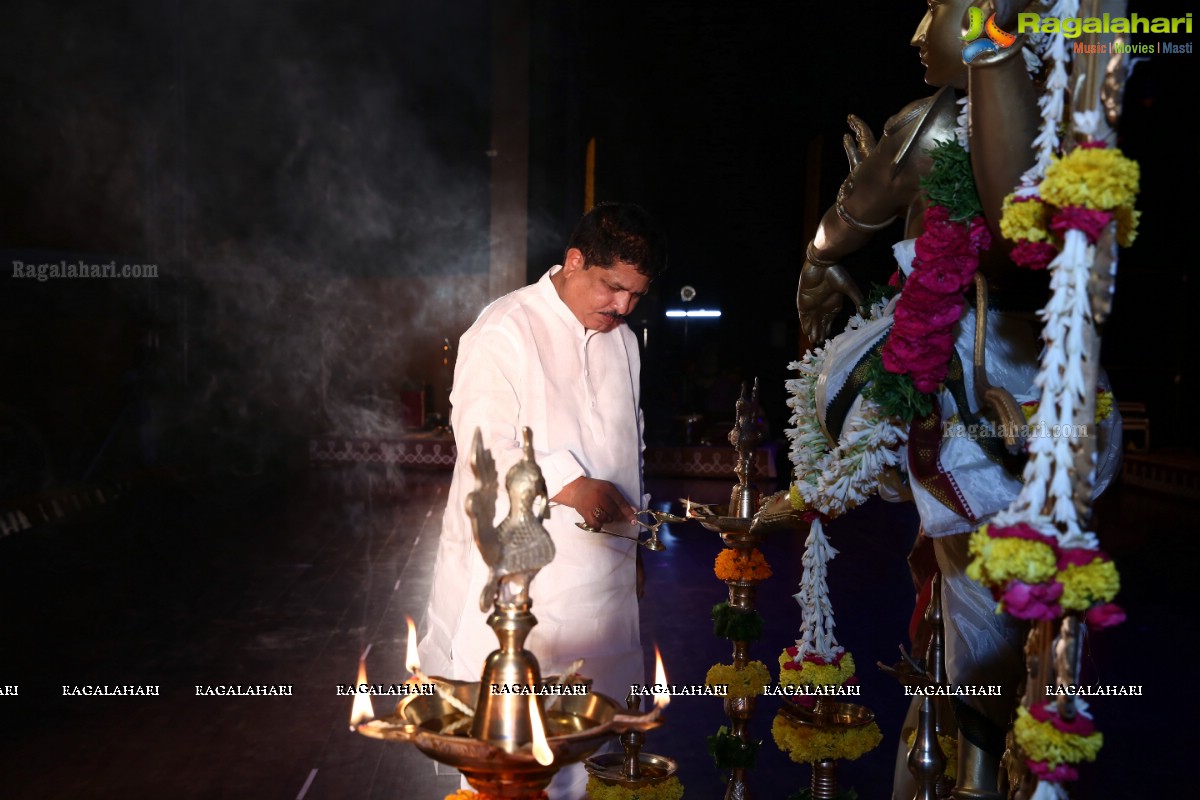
(596, 501)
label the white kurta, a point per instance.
(527, 361)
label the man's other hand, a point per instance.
(597, 501)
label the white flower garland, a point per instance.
(816, 612)
(1049, 791)
(835, 481)
(1047, 475)
(1053, 50)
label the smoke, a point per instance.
(351, 239)
(311, 180)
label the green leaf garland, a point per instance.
(736, 624)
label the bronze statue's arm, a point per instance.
(879, 188)
(1003, 119)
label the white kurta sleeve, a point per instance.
(490, 369)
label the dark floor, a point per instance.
(287, 583)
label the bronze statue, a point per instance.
(884, 179)
(884, 185)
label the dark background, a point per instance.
(312, 182)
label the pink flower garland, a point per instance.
(1060, 774)
(921, 339)
(1033, 601)
(1088, 221)
(1039, 601)
(1033, 255)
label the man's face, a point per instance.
(600, 298)
(939, 38)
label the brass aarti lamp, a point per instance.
(742, 526)
(510, 744)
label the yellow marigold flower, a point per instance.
(1024, 219)
(670, 789)
(794, 498)
(995, 562)
(808, 743)
(746, 682)
(1091, 177)
(1128, 218)
(739, 565)
(1104, 405)
(1083, 587)
(1041, 741)
(811, 674)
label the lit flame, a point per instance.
(661, 699)
(541, 749)
(362, 710)
(412, 661)
(688, 511)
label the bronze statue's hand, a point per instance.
(597, 501)
(820, 296)
(861, 144)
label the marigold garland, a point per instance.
(740, 565)
(1128, 219)
(997, 560)
(1025, 218)
(808, 743)
(1104, 407)
(1090, 584)
(1043, 741)
(1083, 190)
(670, 789)
(747, 682)
(1091, 177)
(1035, 578)
(813, 670)
(795, 499)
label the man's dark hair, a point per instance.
(613, 232)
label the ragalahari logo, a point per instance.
(997, 38)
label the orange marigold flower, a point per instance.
(740, 565)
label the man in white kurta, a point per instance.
(557, 357)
